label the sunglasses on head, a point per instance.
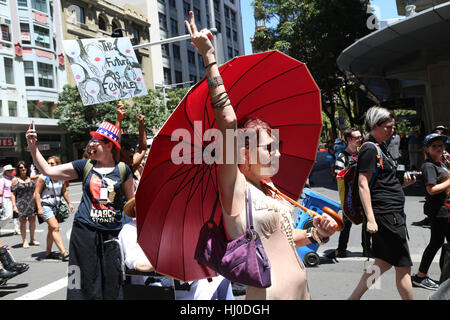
(98, 140)
(269, 146)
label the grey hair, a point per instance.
(376, 116)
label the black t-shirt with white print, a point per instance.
(101, 214)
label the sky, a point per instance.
(384, 9)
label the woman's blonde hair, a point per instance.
(56, 158)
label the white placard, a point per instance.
(105, 69)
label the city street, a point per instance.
(331, 280)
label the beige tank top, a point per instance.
(273, 221)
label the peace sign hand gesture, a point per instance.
(201, 40)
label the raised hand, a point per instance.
(201, 40)
(31, 135)
(121, 111)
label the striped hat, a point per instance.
(109, 131)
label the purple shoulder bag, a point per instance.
(242, 260)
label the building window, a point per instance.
(165, 50)
(45, 75)
(174, 26)
(230, 52)
(102, 24)
(233, 16)
(218, 26)
(179, 78)
(186, 8)
(198, 16)
(191, 57)
(78, 11)
(40, 109)
(12, 108)
(176, 52)
(216, 6)
(136, 35)
(228, 33)
(172, 4)
(235, 35)
(22, 3)
(5, 32)
(29, 73)
(162, 21)
(40, 5)
(167, 76)
(227, 12)
(25, 33)
(9, 70)
(42, 37)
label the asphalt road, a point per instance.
(331, 280)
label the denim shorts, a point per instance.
(48, 212)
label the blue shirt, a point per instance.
(101, 214)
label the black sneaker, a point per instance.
(426, 283)
(422, 223)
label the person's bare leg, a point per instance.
(403, 282)
(368, 278)
(23, 231)
(32, 226)
(56, 235)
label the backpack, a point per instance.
(347, 180)
(89, 165)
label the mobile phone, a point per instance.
(32, 127)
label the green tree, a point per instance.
(79, 120)
(316, 32)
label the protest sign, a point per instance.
(105, 69)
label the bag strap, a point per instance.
(89, 165)
(122, 170)
(87, 168)
(248, 208)
(54, 192)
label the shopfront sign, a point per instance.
(105, 69)
(7, 142)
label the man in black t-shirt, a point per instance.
(353, 138)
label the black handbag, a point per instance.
(62, 210)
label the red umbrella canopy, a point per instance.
(173, 200)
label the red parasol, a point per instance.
(173, 201)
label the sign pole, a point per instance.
(169, 40)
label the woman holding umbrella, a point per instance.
(271, 214)
(95, 257)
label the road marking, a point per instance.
(45, 290)
(12, 230)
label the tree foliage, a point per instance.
(316, 32)
(79, 120)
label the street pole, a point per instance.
(170, 40)
(213, 27)
(169, 86)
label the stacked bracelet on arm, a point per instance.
(220, 100)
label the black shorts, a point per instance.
(95, 264)
(390, 242)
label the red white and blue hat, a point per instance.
(109, 131)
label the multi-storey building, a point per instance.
(33, 68)
(99, 18)
(179, 62)
(32, 73)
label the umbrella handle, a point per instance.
(339, 222)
